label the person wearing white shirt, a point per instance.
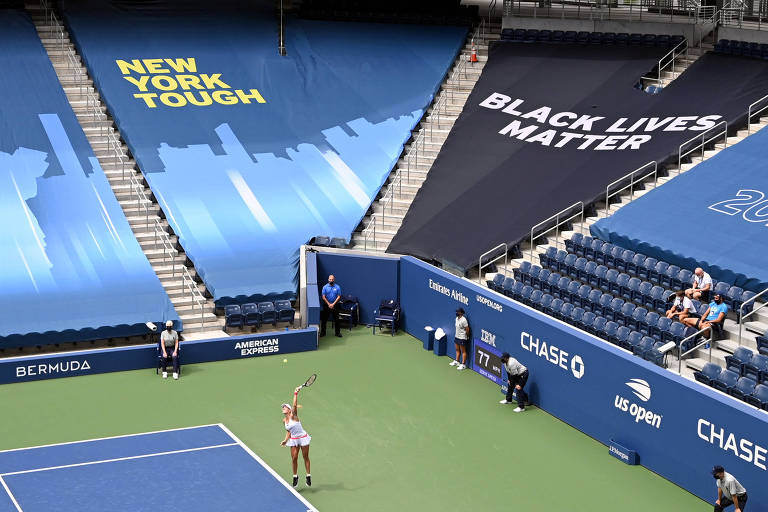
(682, 307)
(517, 376)
(729, 491)
(702, 286)
(461, 340)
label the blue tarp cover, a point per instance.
(251, 154)
(71, 266)
(714, 216)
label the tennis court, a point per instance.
(196, 469)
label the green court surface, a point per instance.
(393, 427)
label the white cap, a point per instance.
(169, 323)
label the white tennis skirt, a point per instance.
(299, 441)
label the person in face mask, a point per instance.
(713, 318)
(330, 302)
(169, 349)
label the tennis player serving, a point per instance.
(296, 438)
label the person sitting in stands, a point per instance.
(702, 285)
(682, 307)
(713, 318)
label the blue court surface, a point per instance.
(191, 469)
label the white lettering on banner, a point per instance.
(750, 203)
(255, 347)
(448, 292)
(642, 390)
(488, 337)
(544, 115)
(488, 302)
(52, 368)
(743, 448)
(621, 454)
(553, 354)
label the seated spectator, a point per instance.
(682, 307)
(713, 318)
(169, 349)
(702, 285)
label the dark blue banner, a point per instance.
(251, 154)
(71, 266)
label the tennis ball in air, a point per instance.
(285, 360)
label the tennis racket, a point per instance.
(310, 381)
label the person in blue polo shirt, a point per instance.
(713, 318)
(331, 296)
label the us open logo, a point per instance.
(642, 390)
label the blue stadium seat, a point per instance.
(233, 316)
(663, 41)
(582, 37)
(614, 256)
(387, 316)
(622, 335)
(525, 294)
(569, 37)
(555, 307)
(637, 261)
(496, 283)
(567, 265)
(562, 288)
(638, 318)
(285, 312)
(322, 241)
(251, 315)
(578, 271)
(683, 280)
(268, 313)
(609, 330)
(535, 299)
(625, 315)
(575, 318)
(583, 295)
(675, 333)
(338, 243)
(349, 310)
(575, 240)
(633, 339)
(544, 36)
(573, 292)
(725, 381)
(507, 34)
(636, 39)
(531, 35)
(669, 275)
(602, 255)
(747, 295)
(621, 263)
(608, 283)
(690, 335)
(593, 301)
(754, 50)
(596, 279)
(721, 288)
(532, 276)
(762, 344)
(541, 279)
(743, 388)
(649, 323)
(507, 288)
(644, 271)
(658, 298)
(518, 34)
(733, 296)
(609, 38)
(645, 344)
(565, 312)
(546, 302)
(757, 368)
(557, 37)
(524, 268)
(622, 285)
(662, 327)
(551, 285)
(654, 355)
(594, 247)
(657, 271)
(738, 360)
(649, 40)
(643, 291)
(708, 373)
(722, 46)
(596, 38)
(547, 257)
(764, 51)
(588, 321)
(613, 310)
(601, 306)
(580, 244)
(589, 271)
(559, 262)
(759, 397)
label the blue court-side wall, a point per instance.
(370, 278)
(71, 267)
(251, 154)
(714, 216)
(86, 362)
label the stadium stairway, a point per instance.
(756, 325)
(386, 213)
(188, 294)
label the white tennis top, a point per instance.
(295, 428)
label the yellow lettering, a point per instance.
(141, 82)
(185, 81)
(213, 81)
(153, 66)
(181, 65)
(147, 97)
(205, 98)
(246, 98)
(173, 99)
(224, 97)
(164, 83)
(126, 68)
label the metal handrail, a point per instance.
(668, 60)
(558, 223)
(704, 142)
(750, 113)
(633, 10)
(743, 317)
(697, 347)
(482, 265)
(631, 186)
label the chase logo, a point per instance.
(640, 388)
(577, 367)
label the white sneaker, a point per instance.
(517, 409)
(165, 375)
(504, 401)
(175, 376)
(453, 363)
(461, 367)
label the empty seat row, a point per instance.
(744, 388)
(597, 38)
(744, 48)
(324, 241)
(255, 315)
(646, 268)
(748, 364)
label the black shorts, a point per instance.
(704, 295)
(461, 343)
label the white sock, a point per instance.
(295, 476)
(308, 474)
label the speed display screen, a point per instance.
(487, 361)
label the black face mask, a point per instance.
(168, 329)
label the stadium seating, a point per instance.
(743, 48)
(268, 313)
(387, 316)
(590, 38)
(708, 374)
(251, 315)
(233, 316)
(388, 11)
(285, 312)
(349, 310)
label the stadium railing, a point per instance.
(686, 11)
(635, 177)
(749, 304)
(720, 130)
(560, 218)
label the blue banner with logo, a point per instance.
(251, 154)
(677, 427)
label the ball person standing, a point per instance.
(517, 376)
(330, 296)
(461, 339)
(729, 491)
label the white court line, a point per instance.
(310, 507)
(10, 495)
(118, 459)
(107, 438)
